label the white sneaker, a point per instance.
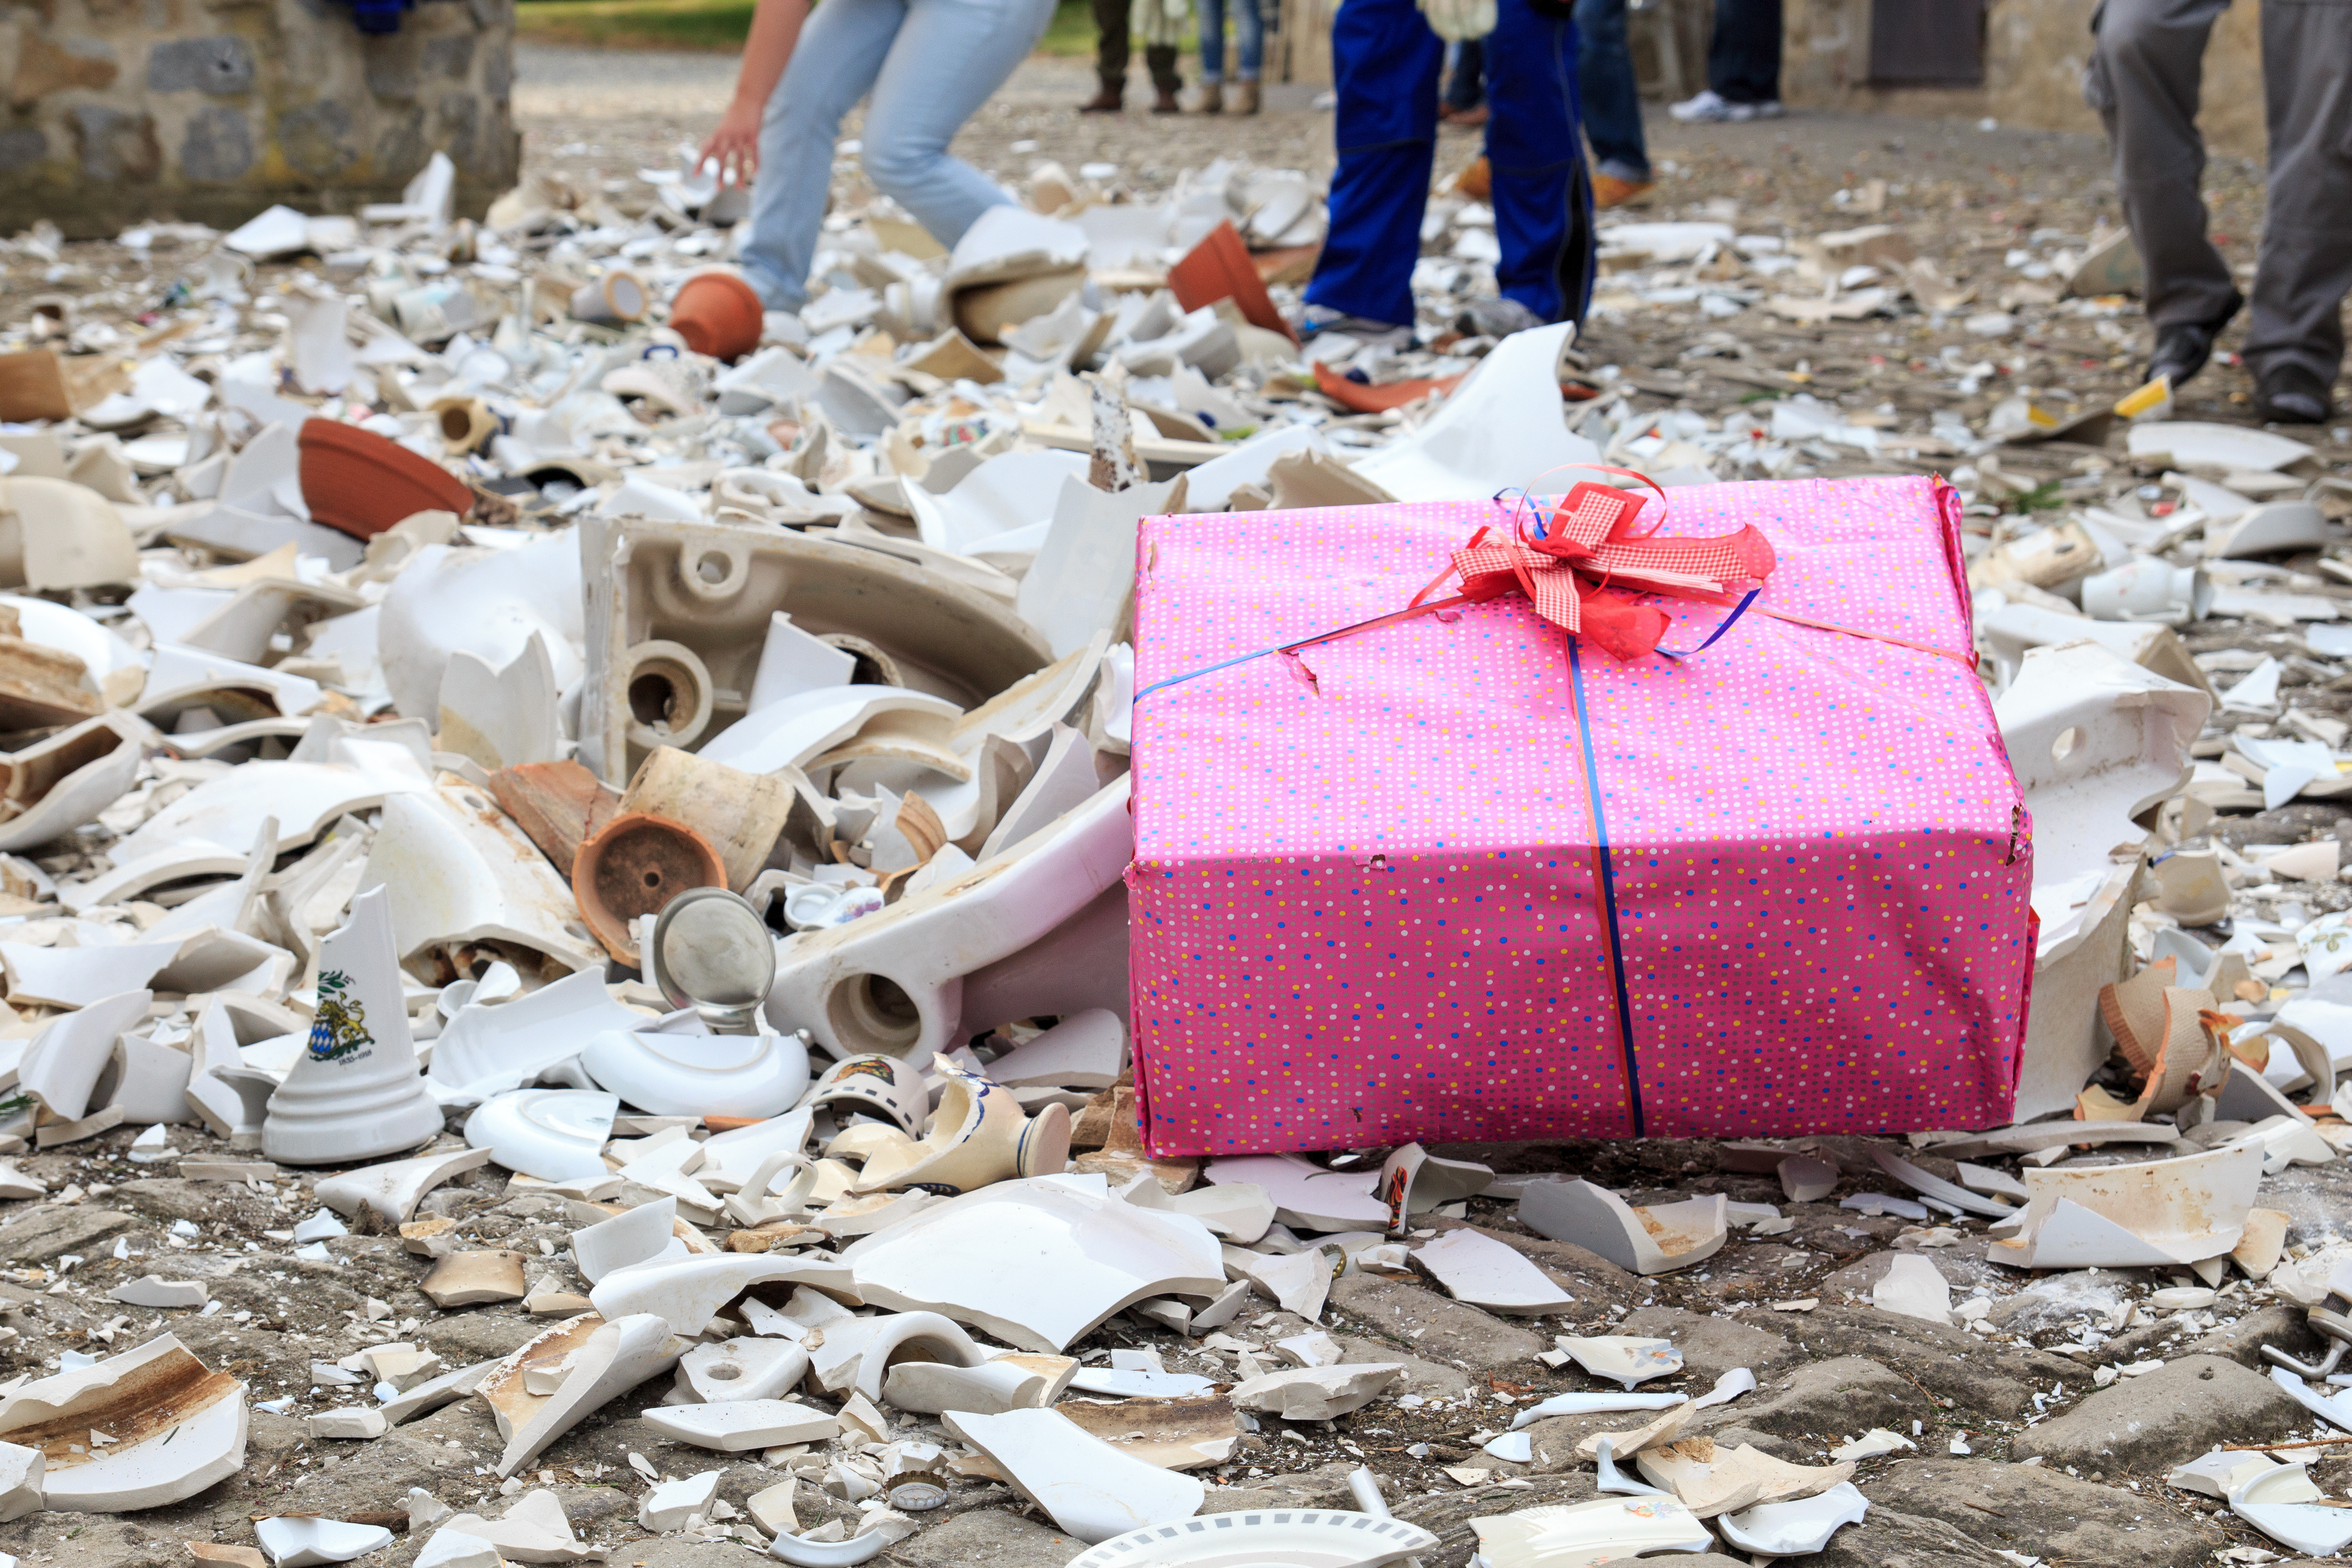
(1769, 110)
(1707, 107)
(1738, 113)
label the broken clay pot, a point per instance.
(635, 867)
(359, 482)
(717, 314)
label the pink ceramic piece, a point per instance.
(1365, 905)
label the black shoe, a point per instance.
(2290, 395)
(2181, 351)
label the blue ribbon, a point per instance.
(1609, 876)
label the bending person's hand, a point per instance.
(735, 146)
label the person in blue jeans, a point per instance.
(1385, 64)
(1612, 104)
(929, 65)
(1249, 40)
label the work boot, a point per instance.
(2181, 350)
(2290, 395)
(1211, 100)
(1609, 191)
(1164, 101)
(1107, 99)
(1244, 98)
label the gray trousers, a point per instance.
(2144, 80)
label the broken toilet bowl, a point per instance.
(1033, 930)
(355, 1092)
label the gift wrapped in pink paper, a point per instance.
(1461, 875)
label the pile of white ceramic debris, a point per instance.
(446, 657)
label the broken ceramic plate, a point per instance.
(2284, 1505)
(394, 1188)
(1086, 1253)
(176, 1427)
(1651, 1240)
(1088, 1487)
(555, 1134)
(1796, 1529)
(645, 1233)
(1585, 1533)
(735, 1424)
(306, 1542)
(1624, 1358)
(1486, 1273)
(1592, 1405)
(690, 1072)
(1310, 1537)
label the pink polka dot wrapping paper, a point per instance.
(1366, 904)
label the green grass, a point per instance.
(718, 25)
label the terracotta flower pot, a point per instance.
(355, 481)
(717, 314)
(634, 866)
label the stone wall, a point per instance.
(208, 110)
(2034, 54)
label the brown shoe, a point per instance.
(1109, 100)
(1211, 98)
(1245, 98)
(1163, 101)
(1609, 191)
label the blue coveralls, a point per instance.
(1386, 62)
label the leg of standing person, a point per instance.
(1465, 84)
(1384, 66)
(1110, 58)
(949, 58)
(1611, 103)
(2295, 335)
(1743, 63)
(841, 51)
(1160, 60)
(1249, 47)
(2146, 65)
(1212, 56)
(1543, 202)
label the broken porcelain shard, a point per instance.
(1652, 1240)
(173, 1427)
(1090, 1255)
(355, 1091)
(1088, 1486)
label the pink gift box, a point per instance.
(1367, 907)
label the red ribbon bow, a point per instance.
(1583, 571)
